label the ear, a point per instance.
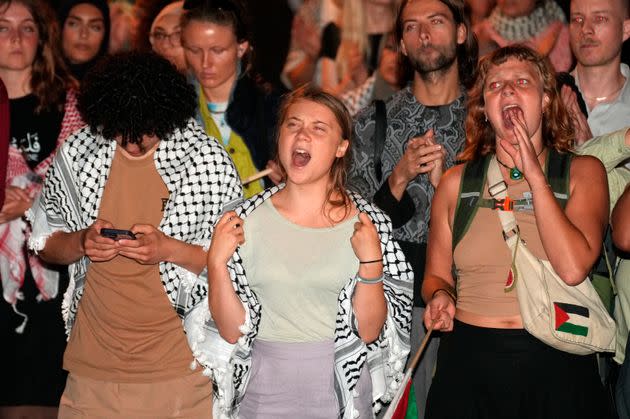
(403, 49)
(462, 33)
(242, 48)
(545, 102)
(626, 29)
(342, 148)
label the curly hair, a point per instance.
(557, 129)
(340, 166)
(132, 94)
(467, 53)
(50, 77)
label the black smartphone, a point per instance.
(116, 234)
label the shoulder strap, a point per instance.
(380, 130)
(558, 175)
(470, 191)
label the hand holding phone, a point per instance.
(117, 234)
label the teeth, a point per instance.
(510, 106)
(300, 151)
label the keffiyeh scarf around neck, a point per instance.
(522, 28)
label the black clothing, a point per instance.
(35, 135)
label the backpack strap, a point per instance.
(380, 130)
(474, 180)
(470, 192)
(558, 175)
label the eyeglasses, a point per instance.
(174, 38)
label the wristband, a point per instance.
(448, 292)
(363, 262)
(370, 281)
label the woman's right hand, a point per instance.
(440, 312)
(228, 235)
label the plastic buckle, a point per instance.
(497, 188)
(504, 204)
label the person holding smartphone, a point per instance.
(141, 165)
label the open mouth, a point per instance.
(300, 157)
(510, 111)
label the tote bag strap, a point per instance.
(498, 190)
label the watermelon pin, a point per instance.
(513, 274)
(511, 279)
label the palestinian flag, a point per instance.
(571, 318)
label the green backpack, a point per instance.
(558, 169)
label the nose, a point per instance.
(206, 61)
(588, 27)
(303, 133)
(424, 32)
(508, 88)
(83, 32)
(14, 36)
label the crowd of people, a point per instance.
(213, 208)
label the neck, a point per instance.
(303, 204)
(603, 81)
(379, 18)
(221, 93)
(437, 88)
(18, 83)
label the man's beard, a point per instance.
(427, 66)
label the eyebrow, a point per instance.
(163, 29)
(95, 19)
(29, 20)
(601, 11)
(316, 121)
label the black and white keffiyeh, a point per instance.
(198, 174)
(522, 28)
(229, 365)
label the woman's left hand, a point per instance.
(365, 240)
(524, 154)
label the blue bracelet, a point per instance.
(370, 281)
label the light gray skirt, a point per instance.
(296, 380)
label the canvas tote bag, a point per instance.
(569, 318)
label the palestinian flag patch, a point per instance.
(571, 318)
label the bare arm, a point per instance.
(65, 248)
(573, 239)
(621, 222)
(438, 286)
(368, 302)
(226, 308)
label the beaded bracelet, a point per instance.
(370, 281)
(448, 292)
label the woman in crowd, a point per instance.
(165, 34)
(84, 33)
(541, 24)
(318, 281)
(233, 107)
(42, 114)
(384, 82)
(350, 52)
(516, 117)
(305, 44)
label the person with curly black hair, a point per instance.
(144, 168)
